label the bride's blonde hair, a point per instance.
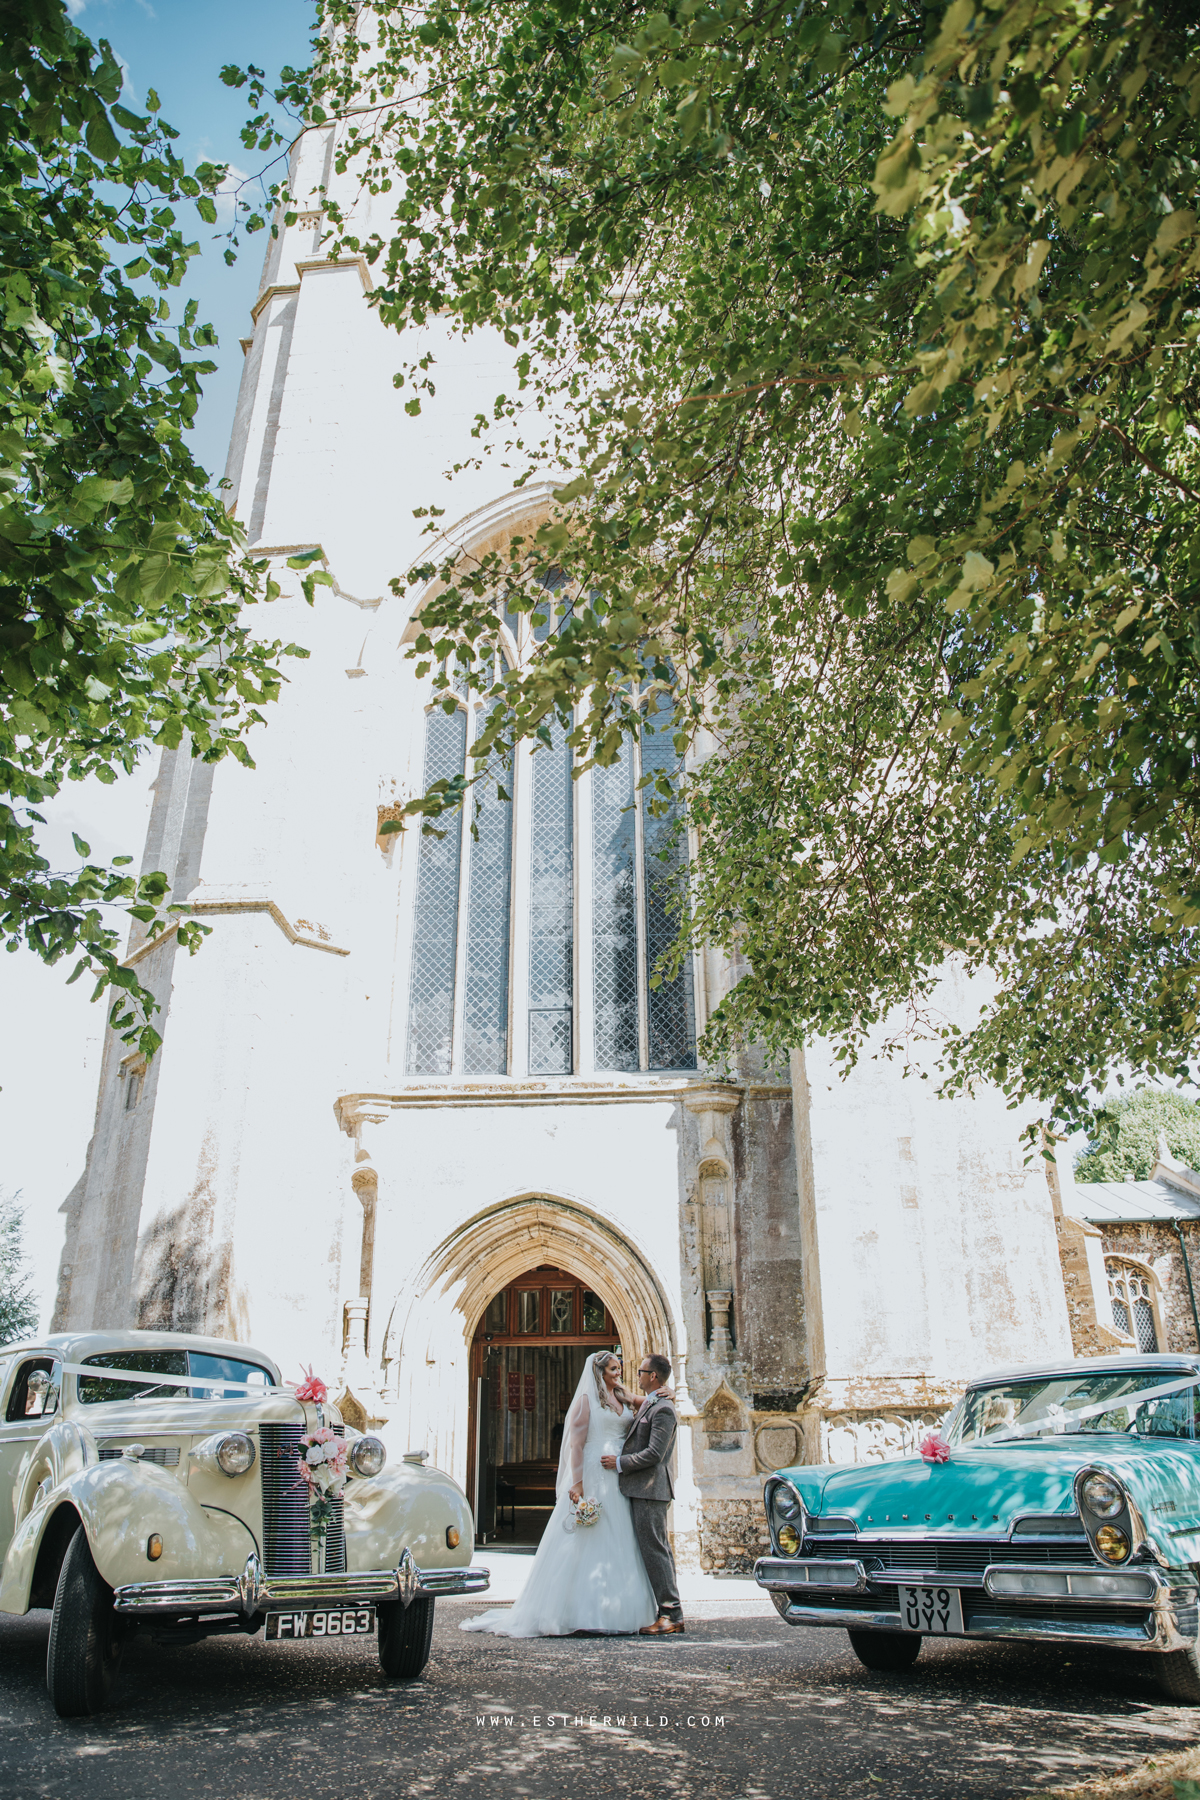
(600, 1362)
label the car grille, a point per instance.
(167, 1457)
(287, 1540)
(942, 1558)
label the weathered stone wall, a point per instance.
(732, 1534)
(1088, 1335)
(1157, 1245)
(770, 1292)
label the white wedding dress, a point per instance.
(591, 1578)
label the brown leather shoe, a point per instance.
(663, 1627)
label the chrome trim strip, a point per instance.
(1155, 1591)
(1171, 1623)
(1129, 1637)
(251, 1593)
(805, 1572)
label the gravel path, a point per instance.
(739, 1709)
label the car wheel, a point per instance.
(1179, 1676)
(405, 1637)
(886, 1649)
(86, 1636)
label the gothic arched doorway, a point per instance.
(491, 1252)
(527, 1355)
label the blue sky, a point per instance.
(179, 51)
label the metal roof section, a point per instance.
(1171, 1192)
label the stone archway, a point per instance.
(481, 1258)
(488, 1251)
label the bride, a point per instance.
(584, 1577)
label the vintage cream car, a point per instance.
(151, 1481)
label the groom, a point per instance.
(644, 1477)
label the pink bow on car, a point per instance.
(934, 1447)
(312, 1388)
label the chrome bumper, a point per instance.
(1165, 1619)
(253, 1593)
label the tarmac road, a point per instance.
(739, 1709)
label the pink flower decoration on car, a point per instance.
(312, 1388)
(934, 1447)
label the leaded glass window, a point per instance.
(593, 1311)
(614, 914)
(633, 864)
(562, 1309)
(485, 1000)
(545, 613)
(551, 908)
(670, 1007)
(1132, 1301)
(435, 933)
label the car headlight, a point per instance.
(235, 1453)
(786, 1504)
(785, 1511)
(1112, 1544)
(367, 1455)
(1102, 1496)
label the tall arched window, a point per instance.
(1131, 1292)
(552, 909)
(468, 934)
(435, 938)
(615, 914)
(485, 1027)
(671, 1006)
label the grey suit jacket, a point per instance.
(645, 1472)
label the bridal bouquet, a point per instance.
(324, 1470)
(583, 1512)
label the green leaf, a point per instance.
(100, 137)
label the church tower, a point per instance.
(419, 1118)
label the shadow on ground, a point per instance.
(742, 1709)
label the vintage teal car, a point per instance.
(1058, 1503)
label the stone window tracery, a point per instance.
(462, 1013)
(1132, 1297)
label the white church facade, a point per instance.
(419, 1119)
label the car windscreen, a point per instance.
(220, 1369)
(1158, 1403)
(93, 1388)
(215, 1369)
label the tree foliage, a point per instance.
(1126, 1131)
(18, 1307)
(122, 580)
(868, 336)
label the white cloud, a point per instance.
(227, 190)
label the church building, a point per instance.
(419, 1119)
